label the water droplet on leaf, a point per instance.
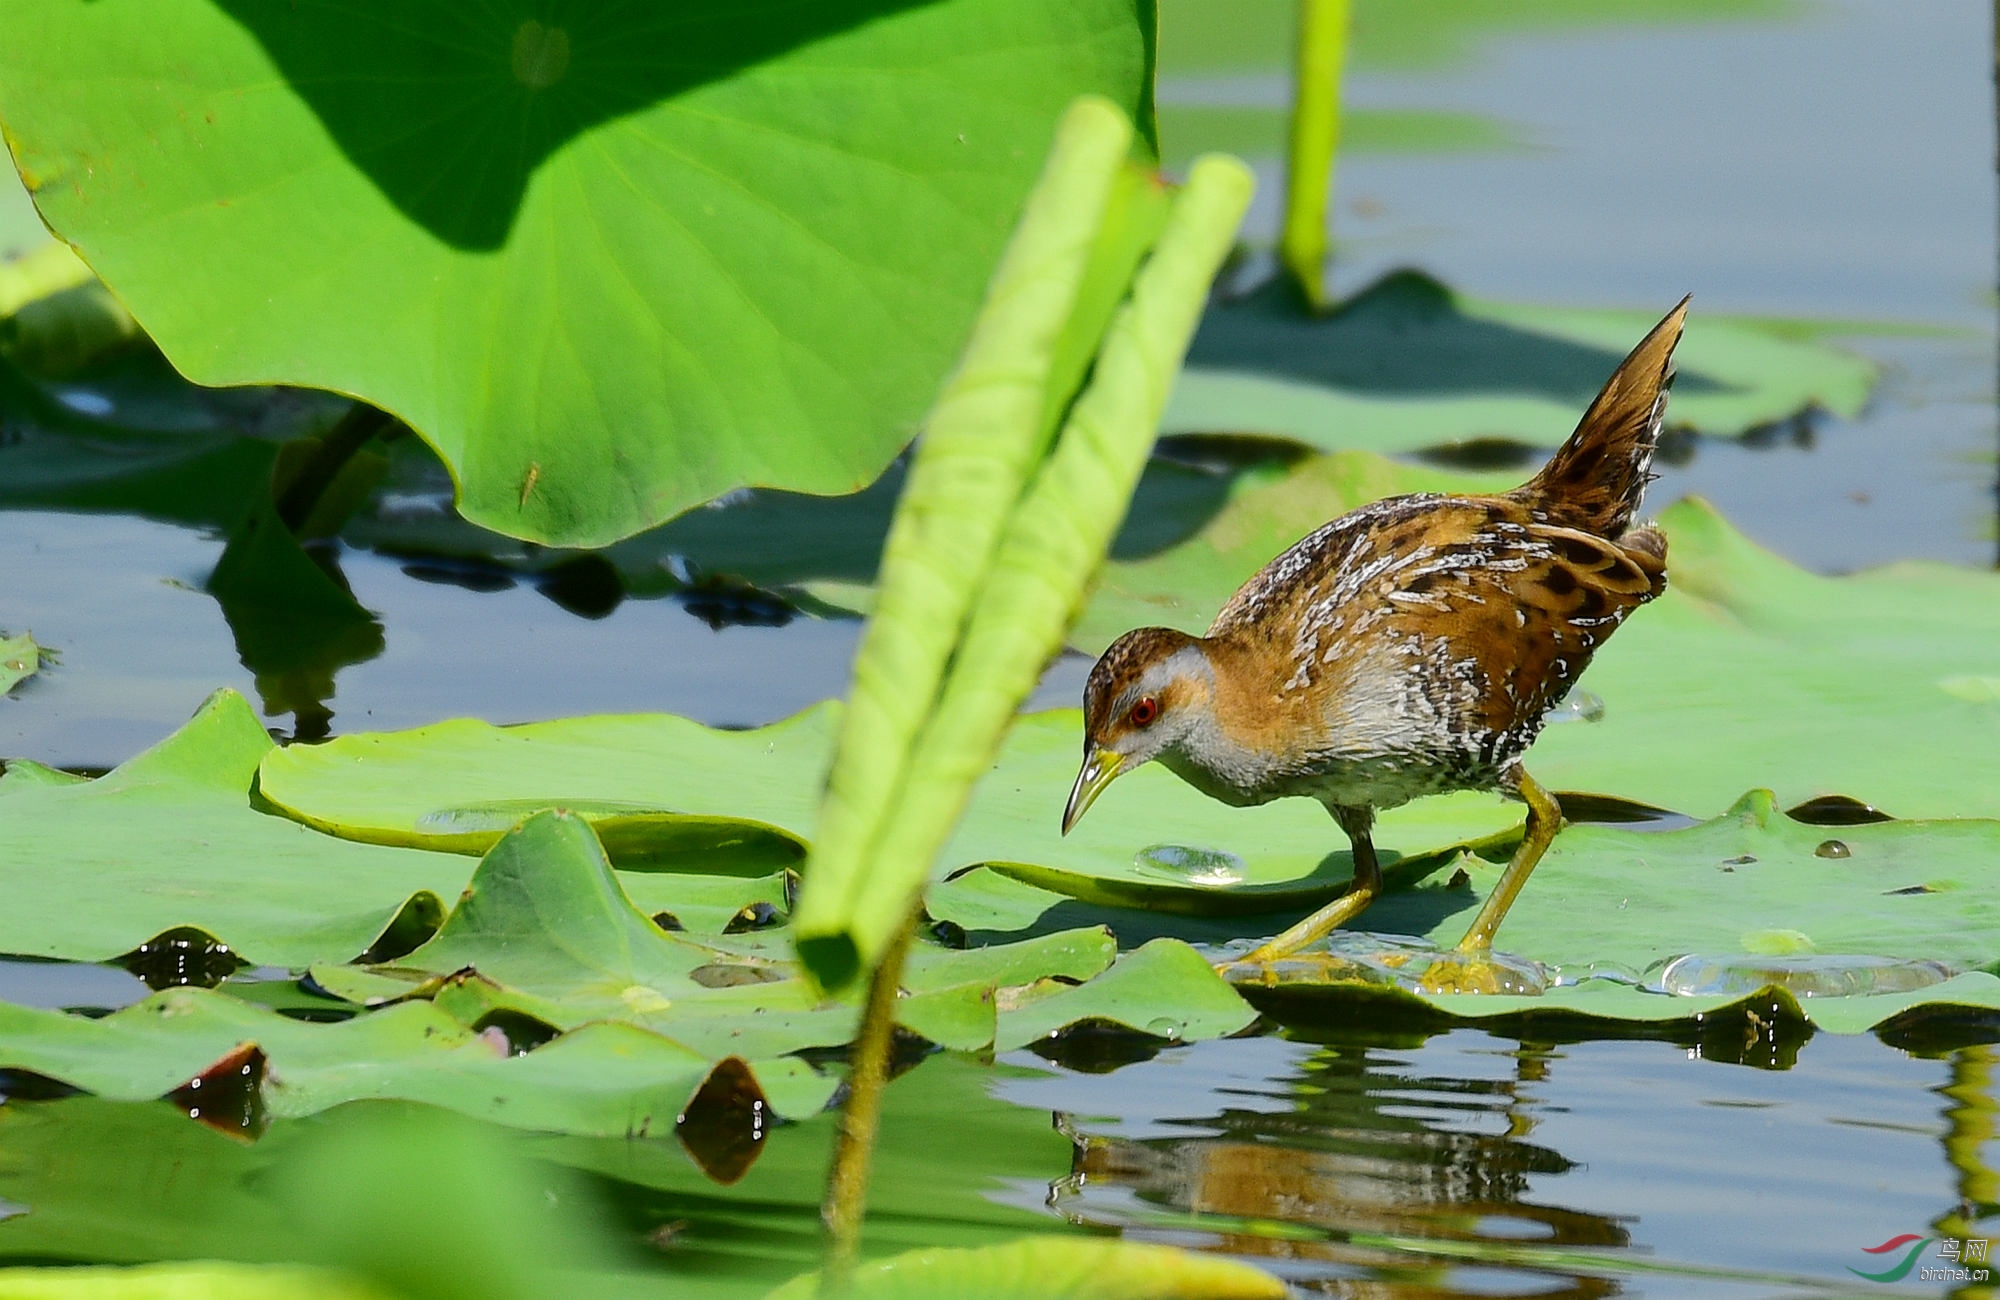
(1577, 706)
(1807, 975)
(1183, 864)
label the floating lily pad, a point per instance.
(545, 931)
(1164, 989)
(460, 785)
(1408, 364)
(24, 773)
(1052, 1268)
(169, 839)
(1853, 925)
(602, 1078)
(685, 198)
(20, 659)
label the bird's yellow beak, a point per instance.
(1099, 766)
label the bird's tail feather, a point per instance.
(1595, 480)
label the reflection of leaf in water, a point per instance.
(295, 622)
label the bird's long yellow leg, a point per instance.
(1544, 820)
(1366, 887)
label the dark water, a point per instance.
(1827, 160)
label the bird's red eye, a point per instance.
(1144, 712)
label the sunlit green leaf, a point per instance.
(684, 199)
(460, 785)
(23, 773)
(20, 659)
(1755, 897)
(545, 931)
(203, 1281)
(600, 1078)
(1053, 1268)
(1164, 989)
(169, 839)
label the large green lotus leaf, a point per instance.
(21, 233)
(1052, 1268)
(460, 785)
(571, 249)
(1760, 898)
(1882, 685)
(1408, 364)
(601, 1078)
(169, 839)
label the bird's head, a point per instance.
(1144, 696)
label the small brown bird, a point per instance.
(1407, 648)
